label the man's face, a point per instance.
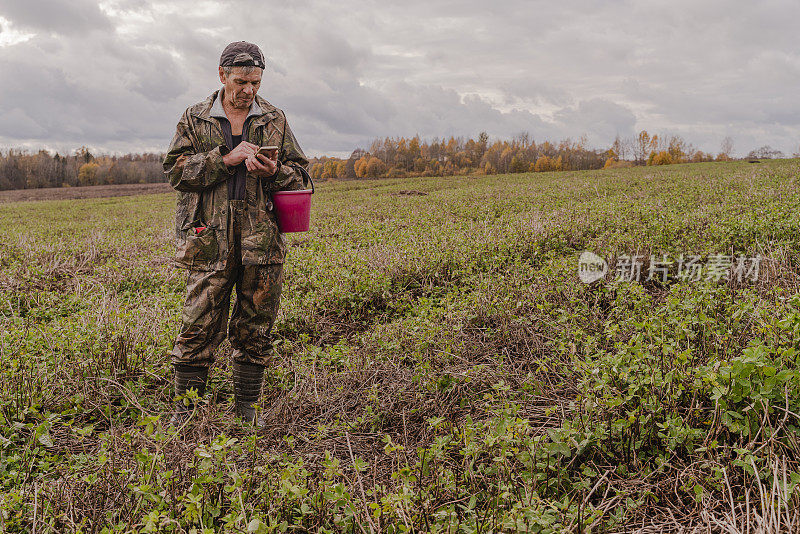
(240, 89)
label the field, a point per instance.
(94, 191)
(441, 365)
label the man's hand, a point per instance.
(243, 151)
(261, 166)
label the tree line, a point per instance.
(20, 169)
(386, 158)
(401, 157)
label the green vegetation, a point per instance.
(442, 368)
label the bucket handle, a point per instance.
(306, 177)
(303, 172)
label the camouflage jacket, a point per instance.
(195, 169)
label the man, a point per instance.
(226, 228)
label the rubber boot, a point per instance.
(247, 381)
(186, 378)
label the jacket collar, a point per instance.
(263, 110)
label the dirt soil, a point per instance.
(92, 191)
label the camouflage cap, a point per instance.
(241, 54)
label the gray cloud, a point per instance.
(116, 75)
(59, 16)
(599, 119)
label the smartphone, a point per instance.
(270, 151)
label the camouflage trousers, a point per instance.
(208, 297)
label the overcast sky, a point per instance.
(117, 74)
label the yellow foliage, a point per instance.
(329, 170)
(374, 168)
(87, 173)
(545, 164)
(661, 158)
(616, 164)
(361, 166)
(401, 157)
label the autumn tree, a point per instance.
(374, 168)
(361, 166)
(84, 155)
(641, 147)
(660, 158)
(11, 173)
(87, 173)
(617, 149)
(726, 148)
(678, 149)
(546, 164)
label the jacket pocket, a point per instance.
(200, 246)
(262, 243)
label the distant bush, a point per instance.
(662, 158)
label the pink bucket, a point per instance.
(293, 209)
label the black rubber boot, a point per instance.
(186, 378)
(247, 381)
